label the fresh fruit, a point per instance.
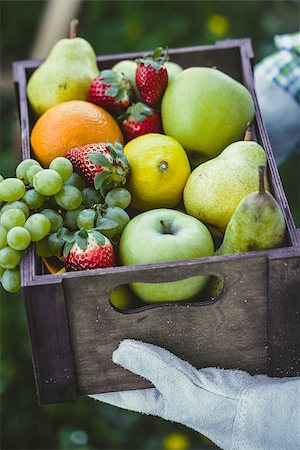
(103, 165)
(256, 224)
(55, 244)
(53, 265)
(70, 218)
(173, 69)
(71, 124)
(118, 197)
(205, 110)
(38, 226)
(111, 90)
(165, 235)
(12, 218)
(76, 180)
(122, 298)
(65, 75)
(128, 67)
(55, 218)
(151, 76)
(11, 189)
(69, 197)
(88, 250)
(86, 219)
(159, 170)
(62, 166)
(47, 182)
(215, 188)
(18, 238)
(9, 258)
(11, 280)
(3, 237)
(42, 248)
(18, 205)
(119, 216)
(33, 199)
(139, 119)
(32, 170)
(91, 197)
(22, 168)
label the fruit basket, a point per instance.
(252, 325)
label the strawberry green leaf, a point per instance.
(81, 241)
(112, 91)
(67, 248)
(66, 235)
(100, 178)
(99, 160)
(106, 224)
(83, 233)
(99, 237)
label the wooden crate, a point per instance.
(253, 325)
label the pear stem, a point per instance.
(248, 134)
(73, 28)
(261, 189)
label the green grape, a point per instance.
(55, 244)
(1, 272)
(118, 215)
(86, 219)
(70, 219)
(18, 238)
(38, 226)
(32, 170)
(12, 218)
(1, 178)
(63, 166)
(9, 258)
(11, 190)
(11, 280)
(47, 182)
(76, 180)
(3, 237)
(118, 197)
(55, 218)
(18, 205)
(91, 197)
(33, 199)
(69, 197)
(42, 248)
(21, 170)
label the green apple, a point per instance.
(128, 67)
(173, 69)
(162, 235)
(205, 110)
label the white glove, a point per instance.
(232, 408)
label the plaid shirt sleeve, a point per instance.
(283, 67)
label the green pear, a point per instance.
(215, 188)
(205, 110)
(256, 224)
(65, 75)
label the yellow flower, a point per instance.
(176, 441)
(217, 24)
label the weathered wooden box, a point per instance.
(253, 325)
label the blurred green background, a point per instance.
(111, 27)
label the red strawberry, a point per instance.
(151, 77)
(111, 90)
(85, 250)
(103, 165)
(139, 119)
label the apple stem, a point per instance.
(73, 28)
(164, 227)
(261, 175)
(248, 134)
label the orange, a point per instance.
(71, 124)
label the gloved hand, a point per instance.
(232, 408)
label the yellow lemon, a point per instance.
(159, 170)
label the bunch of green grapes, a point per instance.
(39, 202)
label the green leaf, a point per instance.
(99, 159)
(106, 224)
(81, 241)
(112, 91)
(66, 235)
(100, 178)
(67, 248)
(99, 237)
(83, 233)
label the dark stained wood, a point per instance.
(74, 329)
(50, 343)
(284, 315)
